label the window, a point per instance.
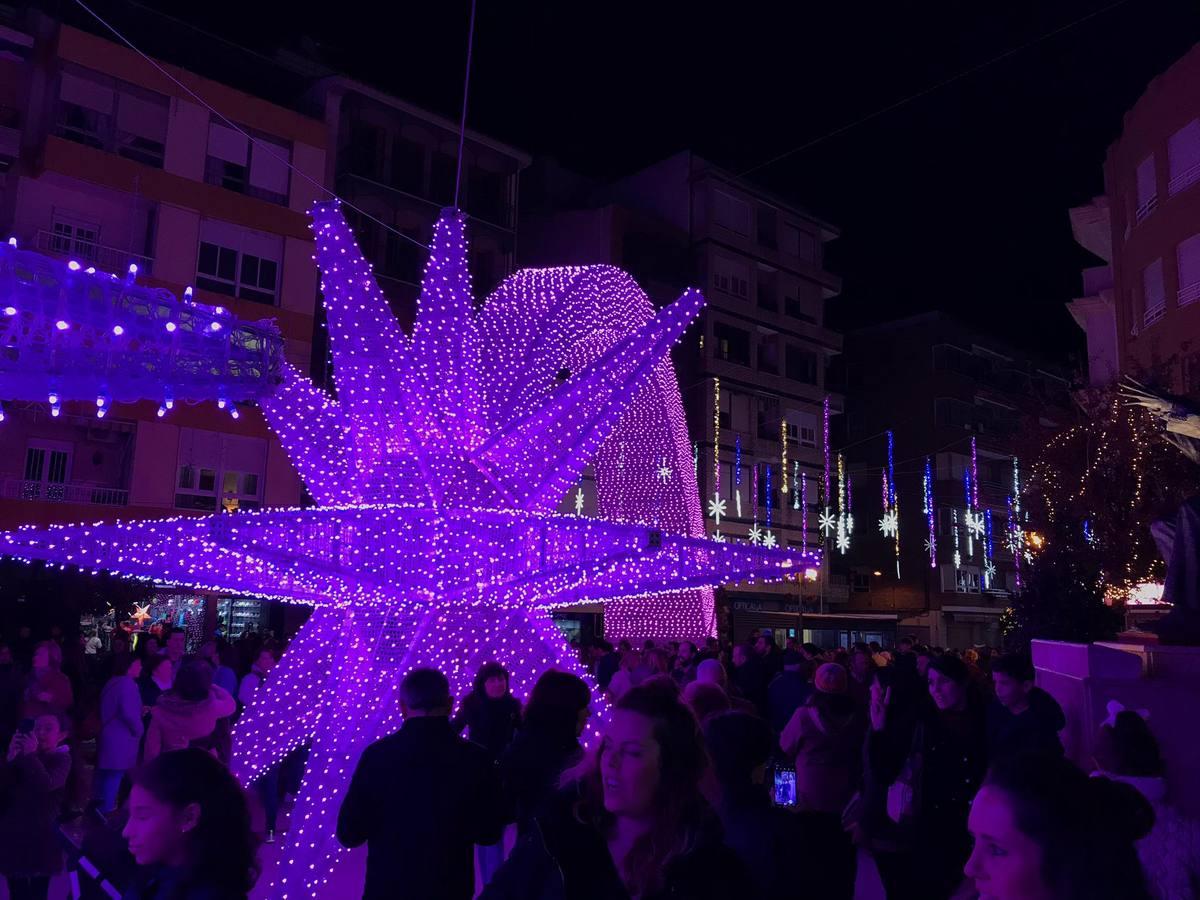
(238, 262)
(442, 172)
(802, 428)
(362, 153)
(768, 227)
(72, 237)
(860, 581)
(731, 277)
(112, 115)
(219, 472)
(1154, 295)
(954, 413)
(487, 195)
(725, 414)
(804, 305)
(730, 212)
(257, 168)
(1147, 188)
(1187, 257)
(765, 291)
(47, 469)
(1183, 158)
(801, 365)
(797, 243)
(733, 344)
(768, 356)
(768, 418)
(408, 166)
(404, 259)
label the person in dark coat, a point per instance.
(121, 731)
(770, 841)
(10, 694)
(930, 765)
(750, 677)
(189, 830)
(420, 799)
(788, 690)
(607, 663)
(489, 715)
(633, 823)
(1021, 718)
(546, 744)
(32, 782)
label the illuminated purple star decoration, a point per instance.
(438, 472)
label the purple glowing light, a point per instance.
(438, 471)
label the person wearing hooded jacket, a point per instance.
(189, 713)
(1021, 718)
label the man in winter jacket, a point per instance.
(1022, 719)
(420, 799)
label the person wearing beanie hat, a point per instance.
(788, 690)
(830, 679)
(824, 738)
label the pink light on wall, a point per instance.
(437, 472)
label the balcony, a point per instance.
(1184, 179)
(1189, 294)
(1143, 211)
(63, 492)
(1154, 313)
(106, 259)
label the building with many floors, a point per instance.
(755, 365)
(1139, 307)
(938, 385)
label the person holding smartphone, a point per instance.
(32, 781)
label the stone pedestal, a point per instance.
(1162, 679)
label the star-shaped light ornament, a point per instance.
(716, 508)
(770, 541)
(438, 473)
(140, 614)
(889, 524)
(755, 534)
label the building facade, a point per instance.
(945, 391)
(1139, 308)
(109, 162)
(752, 371)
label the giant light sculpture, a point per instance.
(437, 472)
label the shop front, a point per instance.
(784, 618)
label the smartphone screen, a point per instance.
(784, 793)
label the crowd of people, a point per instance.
(743, 771)
(132, 741)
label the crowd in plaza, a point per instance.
(743, 771)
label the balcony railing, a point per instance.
(1154, 313)
(107, 259)
(96, 495)
(1146, 208)
(1184, 179)
(1189, 294)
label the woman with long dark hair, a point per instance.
(546, 743)
(634, 822)
(1045, 831)
(189, 830)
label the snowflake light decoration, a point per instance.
(716, 508)
(989, 574)
(438, 472)
(843, 542)
(579, 501)
(664, 472)
(889, 523)
(975, 524)
(717, 537)
(827, 522)
(755, 534)
(770, 541)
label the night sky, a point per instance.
(956, 200)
